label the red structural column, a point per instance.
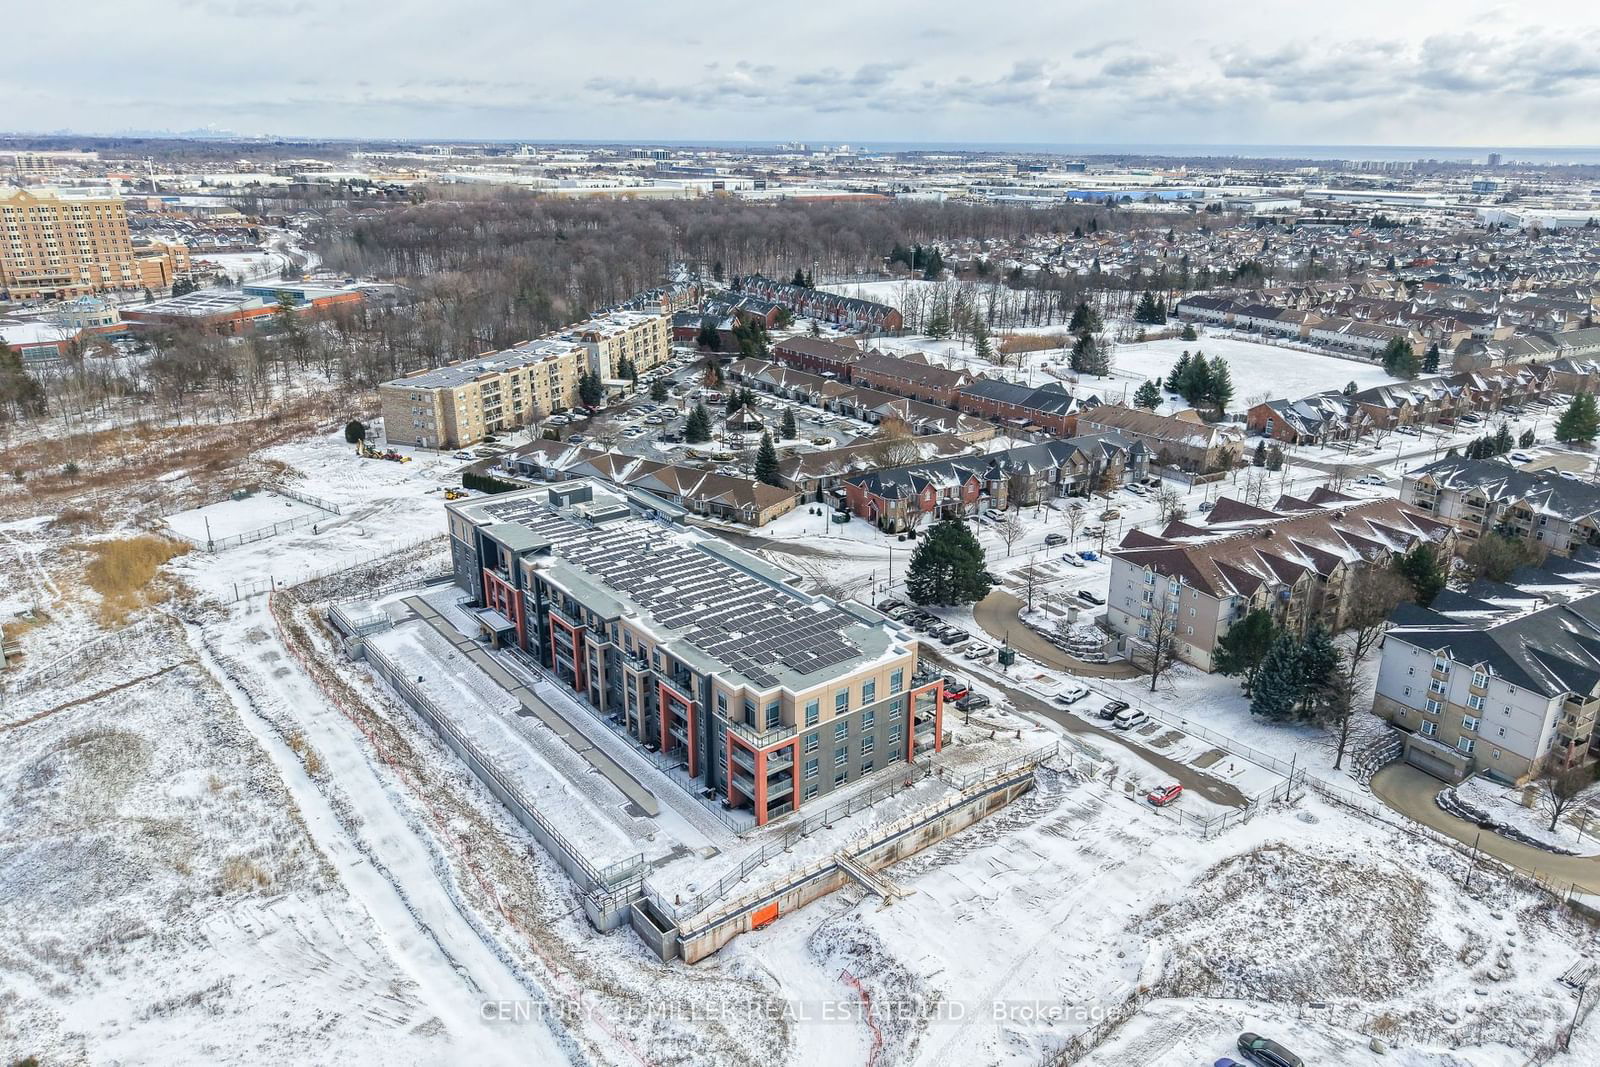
(730, 766)
(794, 775)
(665, 706)
(938, 719)
(761, 788)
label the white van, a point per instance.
(1128, 718)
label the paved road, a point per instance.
(1411, 792)
(602, 762)
(996, 614)
(1213, 789)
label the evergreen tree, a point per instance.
(1188, 332)
(1430, 362)
(939, 322)
(659, 391)
(1085, 319)
(1398, 358)
(708, 337)
(789, 429)
(591, 390)
(1148, 396)
(1196, 385)
(981, 348)
(1220, 390)
(1580, 423)
(1277, 684)
(1527, 440)
(1089, 356)
(1242, 649)
(767, 462)
(697, 427)
(799, 280)
(1274, 458)
(355, 430)
(1424, 570)
(1146, 311)
(811, 282)
(1317, 672)
(1502, 440)
(1179, 372)
(947, 567)
(934, 265)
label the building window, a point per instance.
(841, 755)
(1434, 707)
(894, 733)
(868, 743)
(811, 742)
(1429, 728)
(841, 702)
(813, 712)
(772, 714)
(867, 719)
(840, 776)
(1475, 701)
(1480, 680)
(1466, 744)
(1469, 723)
(811, 792)
(841, 730)
(1436, 686)
(866, 765)
(869, 692)
(811, 768)
(897, 680)
(1441, 665)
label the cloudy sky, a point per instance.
(1428, 72)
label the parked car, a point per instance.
(1522, 457)
(1470, 419)
(975, 650)
(1073, 560)
(887, 606)
(1091, 598)
(1372, 479)
(1111, 709)
(841, 517)
(1089, 554)
(955, 692)
(1128, 718)
(953, 636)
(464, 455)
(1206, 505)
(1051, 540)
(1165, 795)
(973, 701)
(1110, 513)
(1071, 695)
(1267, 1052)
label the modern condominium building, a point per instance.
(58, 244)
(1500, 678)
(767, 696)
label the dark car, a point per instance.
(1112, 707)
(1090, 598)
(973, 701)
(1267, 1052)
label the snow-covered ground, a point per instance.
(247, 515)
(1523, 810)
(1257, 369)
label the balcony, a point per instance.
(760, 738)
(780, 789)
(683, 685)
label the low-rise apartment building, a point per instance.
(1051, 407)
(641, 337)
(1298, 561)
(1476, 496)
(1500, 679)
(816, 355)
(463, 402)
(57, 243)
(767, 696)
(913, 376)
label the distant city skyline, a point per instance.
(1134, 73)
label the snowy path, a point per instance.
(384, 860)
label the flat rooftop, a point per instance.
(464, 371)
(715, 608)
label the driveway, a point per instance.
(997, 615)
(1213, 789)
(1411, 792)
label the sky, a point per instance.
(1364, 72)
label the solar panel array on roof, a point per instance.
(748, 624)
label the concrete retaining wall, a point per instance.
(706, 934)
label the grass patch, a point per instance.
(308, 756)
(240, 874)
(122, 571)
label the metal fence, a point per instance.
(256, 586)
(617, 879)
(307, 498)
(261, 533)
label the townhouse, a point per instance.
(805, 302)
(1502, 679)
(1051, 407)
(1182, 440)
(768, 697)
(1550, 513)
(901, 498)
(1364, 338)
(694, 491)
(1298, 560)
(816, 355)
(812, 474)
(1325, 418)
(912, 376)
(857, 401)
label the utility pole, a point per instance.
(1466, 883)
